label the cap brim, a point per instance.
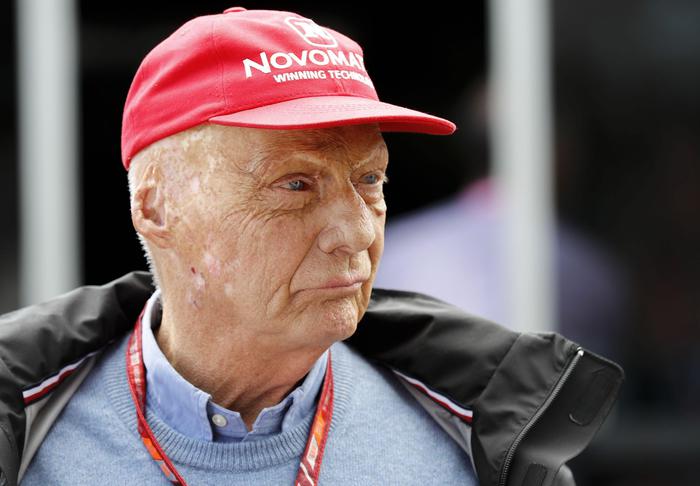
(330, 111)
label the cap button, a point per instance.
(234, 9)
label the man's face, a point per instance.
(262, 220)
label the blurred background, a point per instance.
(594, 209)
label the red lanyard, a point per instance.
(310, 465)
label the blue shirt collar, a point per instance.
(192, 412)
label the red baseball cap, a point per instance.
(260, 69)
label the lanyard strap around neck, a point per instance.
(310, 465)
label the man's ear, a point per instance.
(148, 209)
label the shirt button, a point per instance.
(219, 420)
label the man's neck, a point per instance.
(239, 371)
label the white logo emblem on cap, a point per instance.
(311, 32)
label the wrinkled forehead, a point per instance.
(348, 146)
(255, 150)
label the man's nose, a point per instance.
(350, 224)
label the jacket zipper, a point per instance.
(557, 388)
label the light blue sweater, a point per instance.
(379, 435)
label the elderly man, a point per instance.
(255, 161)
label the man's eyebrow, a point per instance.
(261, 160)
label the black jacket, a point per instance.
(537, 399)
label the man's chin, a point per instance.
(339, 322)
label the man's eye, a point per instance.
(371, 178)
(375, 178)
(295, 185)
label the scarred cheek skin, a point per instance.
(195, 185)
(213, 269)
(228, 290)
(215, 196)
(212, 263)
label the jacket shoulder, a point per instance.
(42, 343)
(537, 399)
